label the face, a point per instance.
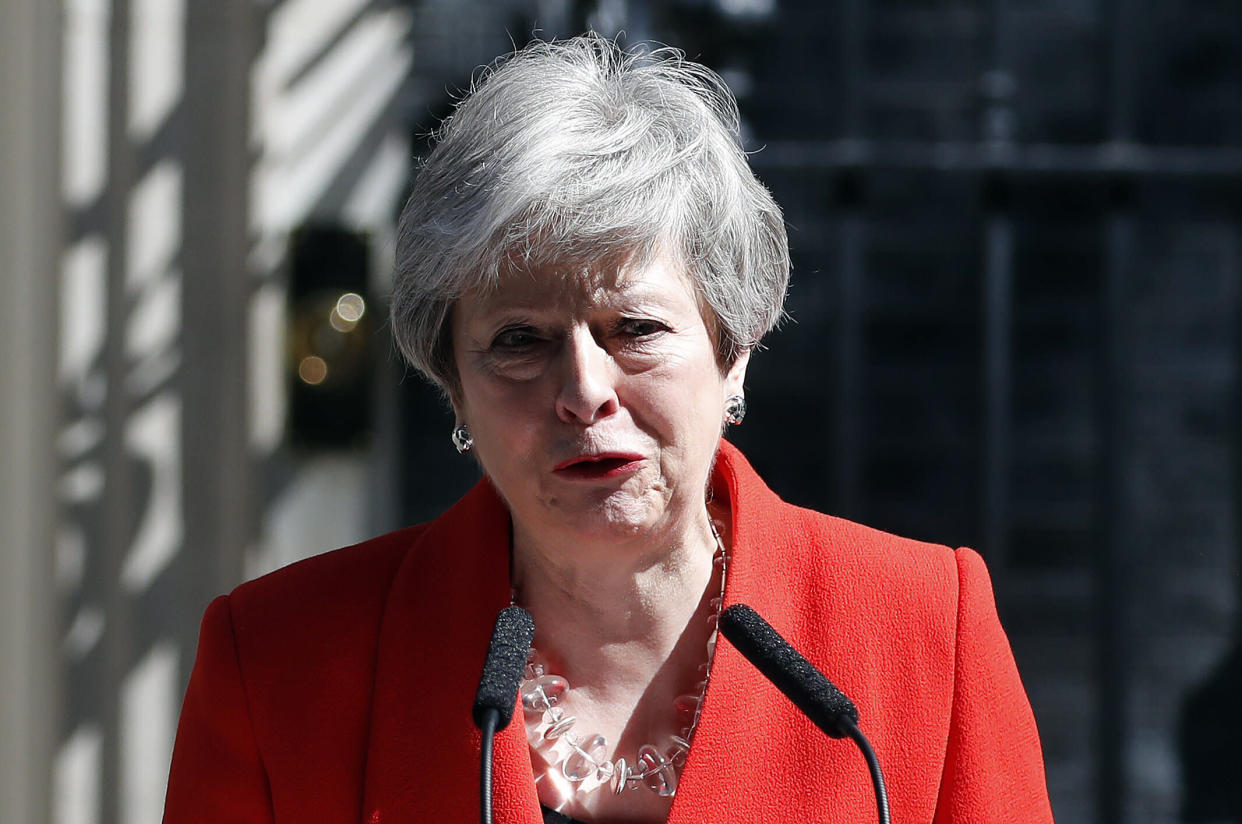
(595, 401)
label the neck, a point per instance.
(611, 617)
(628, 630)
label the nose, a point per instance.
(587, 389)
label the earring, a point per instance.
(735, 410)
(461, 438)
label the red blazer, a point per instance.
(340, 688)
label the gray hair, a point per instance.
(578, 151)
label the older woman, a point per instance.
(584, 267)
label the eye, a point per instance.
(639, 327)
(515, 337)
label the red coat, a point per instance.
(340, 688)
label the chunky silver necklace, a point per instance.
(583, 760)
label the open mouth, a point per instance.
(598, 466)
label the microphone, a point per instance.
(498, 687)
(804, 685)
(785, 667)
(503, 667)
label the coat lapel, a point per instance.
(753, 751)
(423, 753)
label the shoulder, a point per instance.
(905, 565)
(890, 565)
(301, 643)
(370, 562)
(332, 597)
(923, 598)
(831, 555)
(297, 644)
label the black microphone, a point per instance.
(503, 667)
(785, 667)
(498, 688)
(804, 685)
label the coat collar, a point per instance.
(423, 755)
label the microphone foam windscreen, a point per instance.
(792, 674)
(503, 667)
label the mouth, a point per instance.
(604, 465)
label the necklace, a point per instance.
(583, 760)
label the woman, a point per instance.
(584, 266)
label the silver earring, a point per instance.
(461, 439)
(735, 410)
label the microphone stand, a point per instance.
(491, 718)
(498, 690)
(873, 765)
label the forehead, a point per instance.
(658, 279)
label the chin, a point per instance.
(618, 517)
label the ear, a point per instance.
(735, 377)
(459, 408)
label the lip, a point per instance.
(598, 466)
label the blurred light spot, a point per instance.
(313, 370)
(350, 306)
(339, 323)
(349, 309)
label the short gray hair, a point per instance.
(578, 151)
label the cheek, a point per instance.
(504, 420)
(688, 409)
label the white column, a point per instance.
(30, 235)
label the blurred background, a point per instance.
(1016, 306)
